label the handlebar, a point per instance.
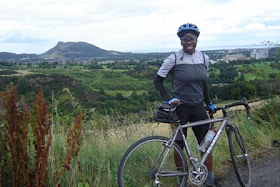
(244, 103)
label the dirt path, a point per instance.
(265, 172)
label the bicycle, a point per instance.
(150, 160)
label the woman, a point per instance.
(189, 70)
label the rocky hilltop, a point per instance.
(77, 50)
(66, 50)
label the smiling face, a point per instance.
(188, 42)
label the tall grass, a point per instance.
(97, 153)
(102, 150)
(258, 133)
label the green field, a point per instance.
(258, 71)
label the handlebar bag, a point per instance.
(166, 114)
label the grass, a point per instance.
(98, 160)
(101, 149)
(123, 92)
(257, 71)
(99, 155)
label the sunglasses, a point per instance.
(187, 39)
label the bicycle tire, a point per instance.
(240, 157)
(136, 168)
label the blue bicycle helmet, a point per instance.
(188, 27)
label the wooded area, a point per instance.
(126, 87)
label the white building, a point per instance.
(235, 57)
(259, 53)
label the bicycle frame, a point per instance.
(197, 172)
(224, 123)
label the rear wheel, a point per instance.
(239, 156)
(140, 164)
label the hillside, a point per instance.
(77, 50)
(7, 55)
(126, 87)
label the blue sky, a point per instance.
(29, 26)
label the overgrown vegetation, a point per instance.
(117, 106)
(126, 87)
(14, 163)
(96, 160)
(22, 164)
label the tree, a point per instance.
(120, 97)
(277, 54)
(272, 75)
(242, 77)
(227, 74)
(23, 85)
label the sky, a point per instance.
(35, 26)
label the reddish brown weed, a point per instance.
(41, 129)
(16, 124)
(74, 141)
(16, 119)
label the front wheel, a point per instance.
(141, 162)
(239, 156)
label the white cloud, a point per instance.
(133, 25)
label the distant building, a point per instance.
(213, 61)
(235, 57)
(220, 84)
(259, 54)
(106, 62)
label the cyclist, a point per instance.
(188, 68)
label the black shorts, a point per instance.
(187, 113)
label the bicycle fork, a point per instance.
(166, 151)
(167, 145)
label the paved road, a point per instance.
(265, 172)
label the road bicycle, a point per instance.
(151, 161)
